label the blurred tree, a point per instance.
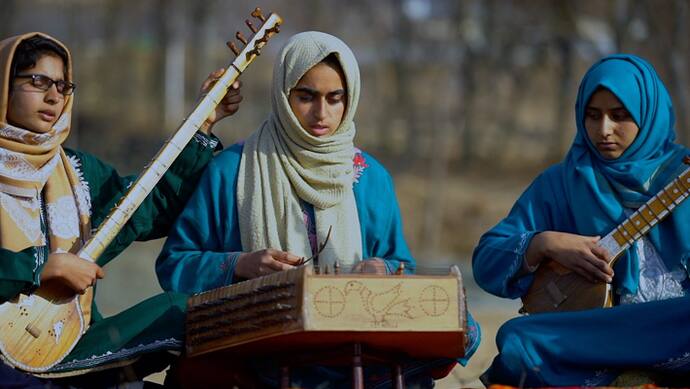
(450, 87)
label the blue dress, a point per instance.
(589, 195)
(203, 245)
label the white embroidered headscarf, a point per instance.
(34, 165)
(283, 163)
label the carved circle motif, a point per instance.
(329, 301)
(434, 300)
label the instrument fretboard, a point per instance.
(647, 216)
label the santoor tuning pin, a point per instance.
(401, 269)
(251, 26)
(336, 267)
(241, 37)
(257, 14)
(232, 47)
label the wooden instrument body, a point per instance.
(296, 310)
(557, 289)
(41, 330)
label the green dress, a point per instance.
(153, 326)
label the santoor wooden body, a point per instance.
(29, 325)
(296, 311)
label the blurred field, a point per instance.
(471, 205)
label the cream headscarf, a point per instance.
(282, 163)
(32, 163)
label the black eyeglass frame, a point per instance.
(44, 83)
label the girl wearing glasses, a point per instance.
(51, 197)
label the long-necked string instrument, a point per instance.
(556, 288)
(37, 331)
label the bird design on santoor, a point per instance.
(382, 306)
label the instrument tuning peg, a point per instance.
(232, 47)
(686, 160)
(251, 26)
(336, 267)
(401, 269)
(257, 14)
(241, 38)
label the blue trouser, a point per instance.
(593, 347)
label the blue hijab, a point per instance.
(598, 190)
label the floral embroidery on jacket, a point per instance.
(675, 363)
(359, 164)
(83, 192)
(122, 354)
(600, 377)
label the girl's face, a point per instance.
(609, 124)
(319, 100)
(34, 109)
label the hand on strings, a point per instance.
(372, 265)
(227, 106)
(71, 271)
(263, 262)
(576, 252)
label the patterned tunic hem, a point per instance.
(110, 359)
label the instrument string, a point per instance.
(427, 269)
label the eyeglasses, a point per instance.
(44, 83)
